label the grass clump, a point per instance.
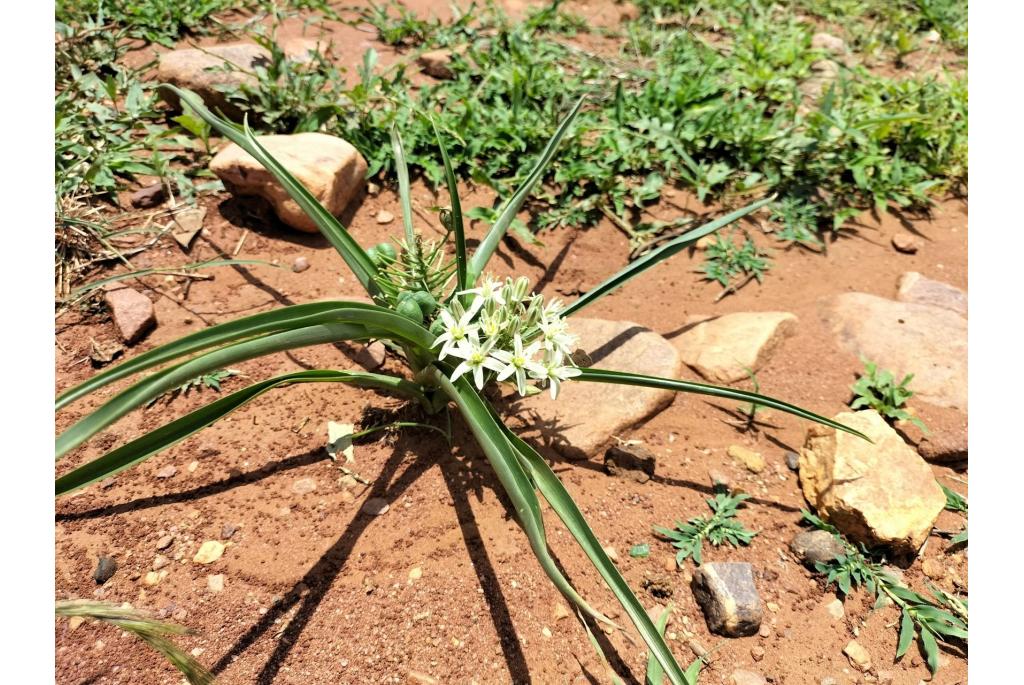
(877, 389)
(719, 528)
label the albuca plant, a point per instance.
(458, 331)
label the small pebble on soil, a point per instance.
(105, 568)
(300, 264)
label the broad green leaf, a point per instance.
(930, 649)
(490, 434)
(354, 255)
(560, 500)
(142, 448)
(618, 377)
(660, 254)
(458, 227)
(490, 242)
(906, 634)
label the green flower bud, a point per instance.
(410, 310)
(386, 251)
(426, 302)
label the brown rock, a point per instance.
(915, 288)
(906, 243)
(202, 71)
(828, 43)
(632, 462)
(742, 677)
(753, 461)
(586, 415)
(300, 264)
(187, 224)
(371, 356)
(150, 196)
(722, 349)
(728, 597)
(376, 506)
(132, 312)
(877, 494)
(437, 63)
(933, 569)
(329, 167)
(858, 656)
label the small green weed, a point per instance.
(725, 261)
(921, 616)
(211, 380)
(719, 528)
(877, 389)
(956, 502)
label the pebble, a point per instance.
(304, 486)
(300, 264)
(792, 460)
(765, 631)
(154, 577)
(105, 568)
(147, 197)
(167, 472)
(385, 217)
(74, 622)
(753, 461)
(560, 611)
(906, 243)
(612, 554)
(371, 356)
(742, 677)
(813, 546)
(228, 530)
(215, 583)
(375, 506)
(772, 607)
(669, 564)
(193, 466)
(416, 573)
(933, 569)
(160, 561)
(835, 609)
(757, 653)
(164, 542)
(545, 631)
(859, 656)
(209, 552)
(728, 597)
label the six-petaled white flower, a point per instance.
(555, 372)
(476, 357)
(518, 362)
(457, 327)
(489, 290)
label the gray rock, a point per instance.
(105, 569)
(203, 71)
(631, 462)
(792, 460)
(132, 312)
(813, 546)
(150, 196)
(371, 356)
(228, 530)
(728, 597)
(913, 287)
(167, 472)
(376, 506)
(904, 337)
(164, 542)
(581, 422)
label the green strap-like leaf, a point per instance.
(662, 253)
(490, 243)
(142, 448)
(620, 378)
(153, 386)
(285, 318)
(490, 434)
(458, 227)
(402, 169)
(655, 673)
(906, 634)
(355, 257)
(560, 500)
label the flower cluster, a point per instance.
(509, 332)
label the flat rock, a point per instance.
(858, 656)
(133, 313)
(304, 486)
(202, 71)
(918, 289)
(742, 677)
(816, 546)
(905, 337)
(751, 460)
(215, 583)
(906, 243)
(723, 348)
(586, 415)
(329, 167)
(631, 462)
(209, 552)
(876, 494)
(149, 196)
(105, 569)
(728, 597)
(829, 43)
(376, 506)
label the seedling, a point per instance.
(459, 332)
(877, 389)
(725, 260)
(719, 528)
(956, 502)
(921, 616)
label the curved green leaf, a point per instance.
(353, 254)
(490, 242)
(620, 378)
(142, 448)
(906, 634)
(402, 170)
(657, 256)
(458, 227)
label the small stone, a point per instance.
(160, 561)
(416, 573)
(724, 349)
(829, 43)
(705, 242)
(376, 506)
(728, 597)
(437, 63)
(300, 264)
(384, 217)
(772, 607)
(906, 243)
(304, 486)
(859, 656)
(658, 584)
(757, 653)
(741, 677)
(105, 568)
(753, 461)
(371, 356)
(698, 650)
(215, 583)
(228, 530)
(107, 483)
(630, 462)
(153, 578)
(720, 481)
(193, 466)
(187, 224)
(132, 312)
(372, 189)
(612, 554)
(814, 546)
(422, 678)
(74, 622)
(209, 552)
(829, 680)
(560, 611)
(885, 677)
(545, 631)
(917, 289)
(933, 569)
(164, 542)
(147, 197)
(764, 631)
(792, 460)
(167, 472)
(835, 609)
(669, 564)
(933, 36)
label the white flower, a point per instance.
(556, 335)
(554, 373)
(456, 330)
(491, 324)
(476, 359)
(518, 362)
(489, 290)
